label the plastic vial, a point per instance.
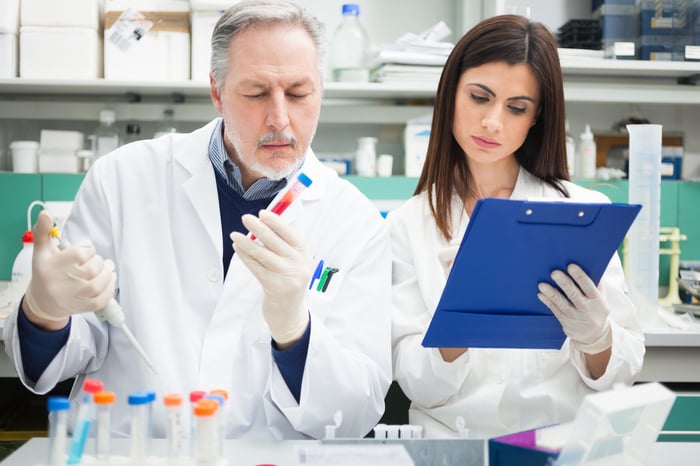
(204, 434)
(349, 47)
(366, 157)
(83, 421)
(167, 124)
(22, 266)
(570, 151)
(58, 407)
(586, 155)
(221, 420)
(106, 135)
(103, 435)
(140, 403)
(175, 431)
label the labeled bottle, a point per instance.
(22, 266)
(366, 157)
(570, 151)
(167, 125)
(106, 135)
(349, 47)
(586, 155)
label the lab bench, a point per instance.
(286, 452)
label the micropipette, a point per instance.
(301, 183)
(113, 314)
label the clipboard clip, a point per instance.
(558, 213)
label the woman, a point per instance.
(498, 131)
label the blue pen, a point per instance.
(317, 273)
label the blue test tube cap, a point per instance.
(303, 179)
(58, 403)
(213, 396)
(139, 398)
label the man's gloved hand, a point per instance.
(283, 267)
(446, 256)
(67, 281)
(583, 313)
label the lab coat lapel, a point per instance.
(200, 185)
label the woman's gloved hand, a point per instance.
(582, 311)
(282, 265)
(65, 281)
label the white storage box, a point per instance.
(203, 23)
(161, 53)
(416, 138)
(52, 140)
(70, 13)
(58, 163)
(8, 56)
(9, 16)
(59, 53)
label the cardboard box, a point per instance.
(154, 48)
(59, 53)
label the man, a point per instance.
(160, 213)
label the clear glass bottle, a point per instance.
(167, 125)
(349, 47)
(106, 135)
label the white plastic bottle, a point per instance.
(22, 266)
(366, 157)
(349, 47)
(570, 151)
(586, 155)
(106, 135)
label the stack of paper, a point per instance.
(415, 58)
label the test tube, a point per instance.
(220, 419)
(58, 407)
(83, 422)
(293, 191)
(195, 396)
(139, 403)
(175, 434)
(205, 431)
(103, 405)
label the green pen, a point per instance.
(322, 280)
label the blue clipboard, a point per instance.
(490, 299)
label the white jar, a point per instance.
(366, 157)
(24, 156)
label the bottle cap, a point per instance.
(28, 237)
(107, 116)
(196, 395)
(139, 398)
(352, 9)
(172, 399)
(221, 391)
(205, 407)
(305, 180)
(58, 403)
(92, 385)
(104, 398)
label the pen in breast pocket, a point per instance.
(290, 195)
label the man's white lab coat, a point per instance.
(496, 391)
(152, 208)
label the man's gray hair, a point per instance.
(247, 13)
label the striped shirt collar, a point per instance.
(262, 188)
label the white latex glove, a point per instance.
(280, 262)
(446, 256)
(583, 313)
(66, 281)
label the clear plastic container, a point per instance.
(366, 157)
(103, 435)
(642, 258)
(58, 407)
(586, 155)
(22, 266)
(349, 47)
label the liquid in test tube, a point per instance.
(58, 407)
(175, 430)
(103, 435)
(293, 191)
(83, 422)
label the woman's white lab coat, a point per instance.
(152, 208)
(496, 391)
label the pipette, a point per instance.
(301, 183)
(113, 314)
